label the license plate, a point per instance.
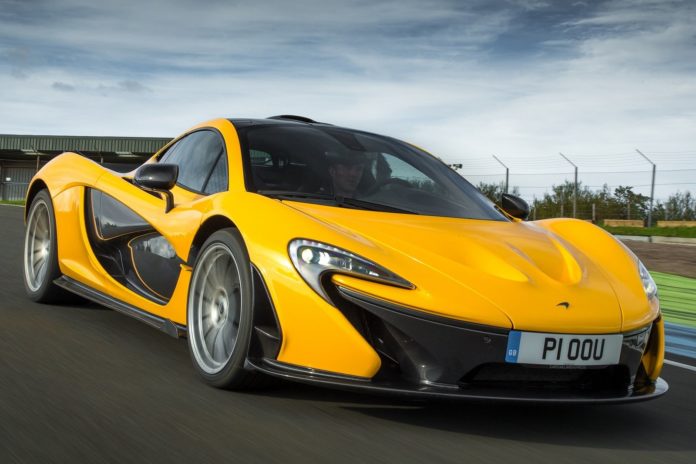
(563, 349)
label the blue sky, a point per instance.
(520, 79)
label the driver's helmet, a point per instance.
(346, 157)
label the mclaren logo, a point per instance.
(565, 304)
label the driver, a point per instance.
(346, 170)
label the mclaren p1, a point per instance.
(296, 249)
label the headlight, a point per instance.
(648, 283)
(312, 259)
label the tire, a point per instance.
(219, 312)
(41, 252)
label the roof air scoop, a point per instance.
(293, 117)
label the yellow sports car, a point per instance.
(310, 252)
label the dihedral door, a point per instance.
(130, 249)
(121, 231)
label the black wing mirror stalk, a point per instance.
(158, 178)
(514, 206)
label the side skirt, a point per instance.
(165, 325)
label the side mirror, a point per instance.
(515, 206)
(159, 178)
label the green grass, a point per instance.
(677, 298)
(687, 232)
(12, 202)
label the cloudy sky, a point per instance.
(524, 79)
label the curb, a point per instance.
(659, 239)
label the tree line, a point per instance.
(620, 203)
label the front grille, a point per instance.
(516, 376)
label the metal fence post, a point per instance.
(629, 209)
(507, 173)
(652, 187)
(575, 185)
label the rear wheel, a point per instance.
(41, 252)
(220, 311)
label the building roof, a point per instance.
(17, 147)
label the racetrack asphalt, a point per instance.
(86, 384)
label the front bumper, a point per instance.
(314, 377)
(429, 356)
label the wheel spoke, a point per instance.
(208, 288)
(41, 225)
(205, 303)
(41, 273)
(229, 336)
(223, 267)
(34, 240)
(210, 336)
(207, 328)
(38, 263)
(216, 281)
(219, 347)
(42, 234)
(206, 271)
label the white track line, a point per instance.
(678, 364)
(7, 204)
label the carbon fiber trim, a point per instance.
(311, 376)
(165, 325)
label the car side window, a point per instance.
(201, 160)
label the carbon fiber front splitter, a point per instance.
(320, 378)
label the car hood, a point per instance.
(511, 274)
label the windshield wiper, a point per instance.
(345, 202)
(342, 201)
(289, 194)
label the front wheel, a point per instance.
(41, 253)
(220, 311)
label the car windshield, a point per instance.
(348, 168)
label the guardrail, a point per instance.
(676, 223)
(624, 222)
(658, 239)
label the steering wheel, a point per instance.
(388, 181)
